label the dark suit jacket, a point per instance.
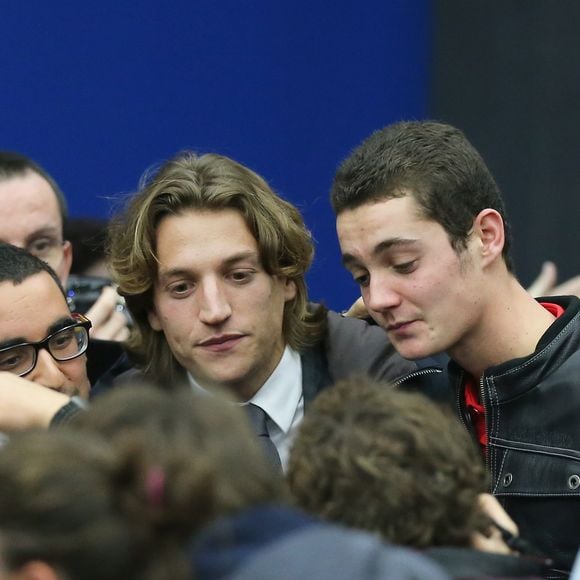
(349, 347)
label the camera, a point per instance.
(83, 291)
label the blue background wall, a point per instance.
(98, 94)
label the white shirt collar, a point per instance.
(280, 395)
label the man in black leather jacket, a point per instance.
(422, 228)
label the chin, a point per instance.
(415, 352)
(232, 381)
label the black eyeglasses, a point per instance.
(64, 344)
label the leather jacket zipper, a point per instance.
(482, 399)
(461, 411)
(418, 373)
(465, 417)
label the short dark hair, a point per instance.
(14, 164)
(436, 164)
(375, 458)
(17, 265)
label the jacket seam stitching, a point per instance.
(494, 424)
(541, 452)
(545, 350)
(495, 489)
(540, 494)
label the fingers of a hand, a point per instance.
(114, 328)
(570, 287)
(545, 281)
(104, 308)
(493, 540)
(122, 334)
(24, 404)
(357, 310)
(495, 511)
(493, 543)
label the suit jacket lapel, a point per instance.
(315, 375)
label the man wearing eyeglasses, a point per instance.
(40, 340)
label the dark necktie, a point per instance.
(258, 419)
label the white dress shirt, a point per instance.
(282, 399)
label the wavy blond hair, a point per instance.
(207, 182)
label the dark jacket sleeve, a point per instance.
(354, 346)
(68, 412)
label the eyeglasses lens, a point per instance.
(67, 343)
(17, 360)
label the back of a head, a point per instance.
(74, 503)
(432, 161)
(17, 265)
(211, 433)
(119, 495)
(391, 462)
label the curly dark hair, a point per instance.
(371, 457)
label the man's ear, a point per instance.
(488, 227)
(289, 290)
(34, 570)
(153, 319)
(66, 262)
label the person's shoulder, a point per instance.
(340, 327)
(355, 346)
(358, 346)
(121, 372)
(330, 552)
(565, 329)
(102, 355)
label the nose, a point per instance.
(380, 295)
(47, 372)
(214, 305)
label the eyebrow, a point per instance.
(44, 231)
(61, 323)
(381, 247)
(228, 263)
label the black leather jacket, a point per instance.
(532, 408)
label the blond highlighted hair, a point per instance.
(208, 182)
